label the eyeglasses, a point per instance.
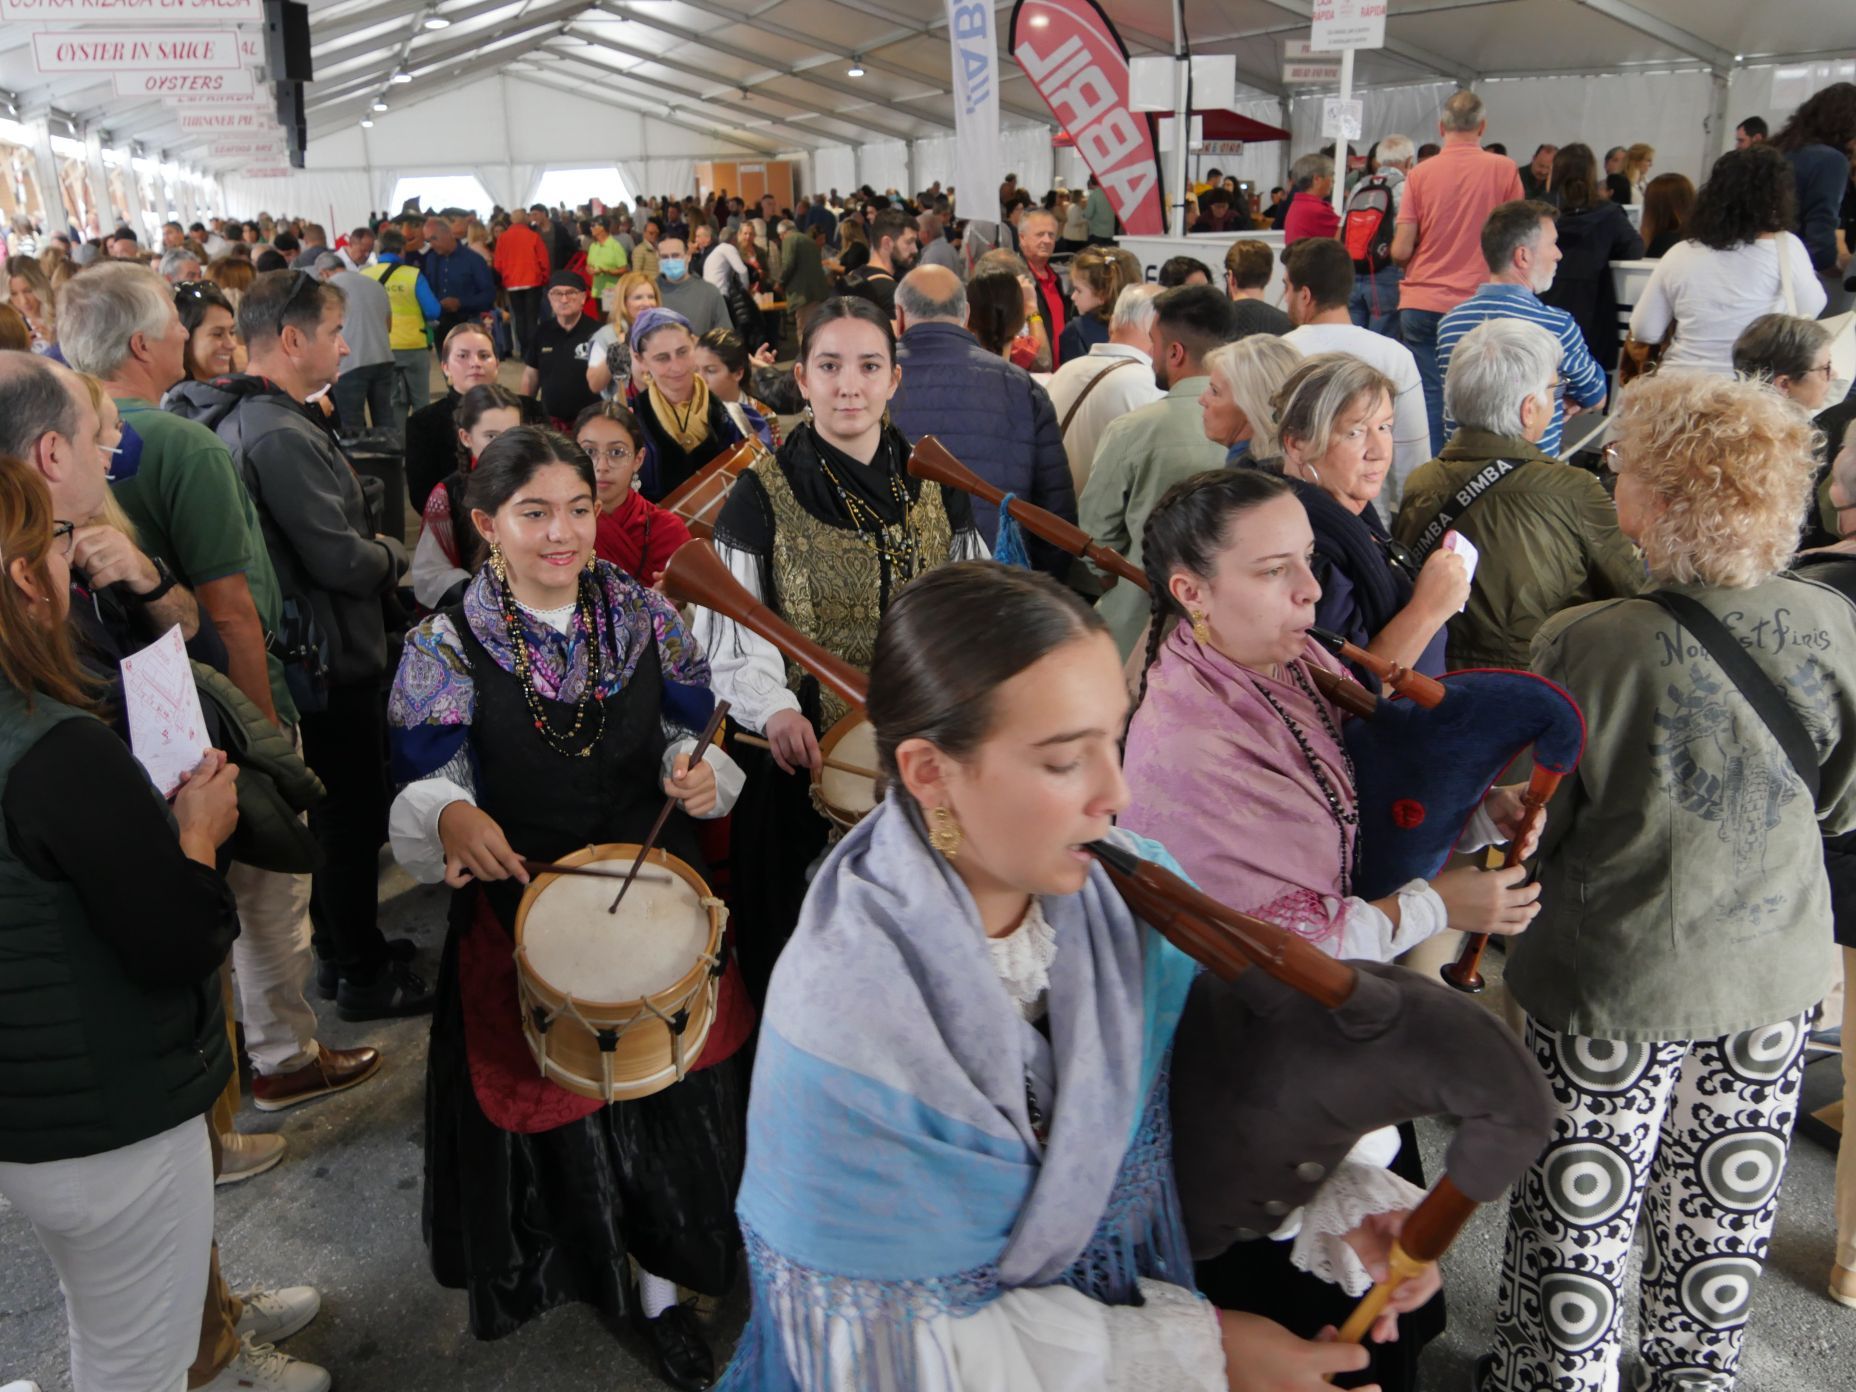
(1825, 368)
(303, 279)
(67, 533)
(196, 289)
(1398, 555)
(612, 454)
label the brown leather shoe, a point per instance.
(332, 1070)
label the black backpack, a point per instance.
(1367, 228)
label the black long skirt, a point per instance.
(523, 1223)
(1258, 1279)
(776, 836)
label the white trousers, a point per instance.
(271, 962)
(130, 1232)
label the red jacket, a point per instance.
(1309, 217)
(521, 258)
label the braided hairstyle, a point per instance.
(1185, 531)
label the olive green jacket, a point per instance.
(1683, 893)
(1548, 537)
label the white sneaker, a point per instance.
(272, 1316)
(261, 1368)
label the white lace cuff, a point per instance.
(1172, 1341)
(1421, 915)
(1353, 1193)
(1480, 832)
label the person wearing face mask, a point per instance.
(1521, 246)
(695, 299)
(894, 249)
(333, 567)
(1547, 536)
(449, 549)
(552, 708)
(1319, 277)
(826, 533)
(984, 977)
(1334, 428)
(635, 534)
(1235, 762)
(683, 424)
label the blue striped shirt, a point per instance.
(1582, 379)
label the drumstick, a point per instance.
(837, 764)
(703, 741)
(545, 867)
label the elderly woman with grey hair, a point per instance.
(1793, 356)
(1547, 533)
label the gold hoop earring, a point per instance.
(498, 566)
(944, 832)
(1201, 630)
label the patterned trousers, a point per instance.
(1694, 1134)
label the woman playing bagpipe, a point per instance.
(960, 1171)
(550, 709)
(449, 549)
(1235, 761)
(826, 535)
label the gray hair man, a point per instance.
(936, 249)
(1109, 381)
(363, 392)
(1547, 535)
(178, 266)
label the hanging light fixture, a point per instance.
(437, 21)
(400, 78)
(367, 123)
(857, 66)
(380, 104)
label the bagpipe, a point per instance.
(698, 499)
(1301, 1054)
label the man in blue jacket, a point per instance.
(988, 412)
(461, 279)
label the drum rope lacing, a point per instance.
(609, 1034)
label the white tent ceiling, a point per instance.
(773, 75)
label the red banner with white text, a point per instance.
(1076, 60)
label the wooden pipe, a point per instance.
(1466, 972)
(932, 462)
(1344, 692)
(1223, 939)
(1425, 1236)
(1426, 691)
(696, 575)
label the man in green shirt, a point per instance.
(607, 260)
(1147, 451)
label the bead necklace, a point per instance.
(901, 549)
(560, 742)
(1343, 819)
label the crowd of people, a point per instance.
(931, 1126)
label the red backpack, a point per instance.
(1367, 228)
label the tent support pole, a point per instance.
(1715, 128)
(1182, 116)
(1340, 140)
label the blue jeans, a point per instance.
(1374, 304)
(1418, 328)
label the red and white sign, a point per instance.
(1078, 64)
(220, 86)
(266, 171)
(157, 11)
(105, 52)
(264, 150)
(1339, 24)
(1304, 72)
(229, 122)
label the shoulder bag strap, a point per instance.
(1782, 244)
(1760, 691)
(1458, 503)
(1089, 386)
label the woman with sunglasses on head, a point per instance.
(1334, 425)
(1235, 762)
(213, 349)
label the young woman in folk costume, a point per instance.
(1236, 761)
(550, 709)
(635, 534)
(960, 1169)
(449, 549)
(825, 534)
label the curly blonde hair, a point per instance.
(1731, 463)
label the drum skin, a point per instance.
(846, 799)
(564, 1030)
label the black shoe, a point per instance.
(683, 1357)
(329, 976)
(398, 991)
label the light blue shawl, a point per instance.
(893, 1172)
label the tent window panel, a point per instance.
(438, 191)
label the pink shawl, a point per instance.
(1218, 779)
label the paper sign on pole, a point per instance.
(105, 52)
(221, 85)
(121, 11)
(1342, 120)
(1305, 72)
(979, 152)
(1342, 24)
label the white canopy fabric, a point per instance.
(513, 85)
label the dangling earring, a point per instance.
(886, 424)
(498, 567)
(944, 833)
(1201, 630)
(805, 413)
(592, 562)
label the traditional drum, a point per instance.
(618, 1006)
(845, 797)
(698, 499)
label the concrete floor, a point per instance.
(342, 1212)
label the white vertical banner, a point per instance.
(979, 158)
